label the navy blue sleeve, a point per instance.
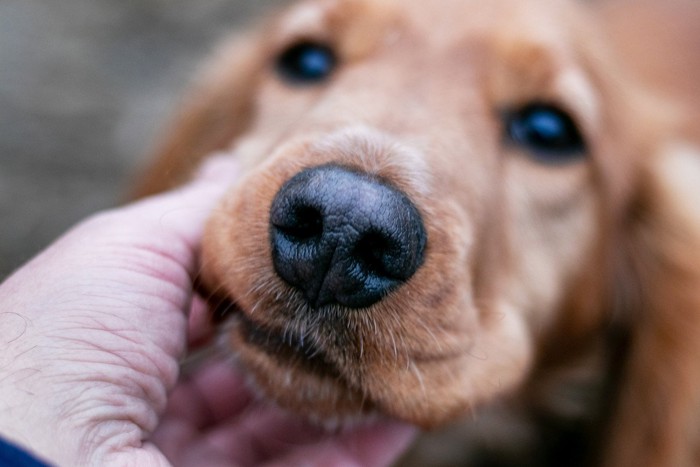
(12, 456)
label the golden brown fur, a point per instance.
(566, 294)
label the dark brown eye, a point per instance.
(546, 132)
(306, 63)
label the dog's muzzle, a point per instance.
(344, 237)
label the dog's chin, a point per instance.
(295, 374)
(333, 389)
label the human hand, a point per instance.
(213, 420)
(92, 331)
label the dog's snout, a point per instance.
(345, 237)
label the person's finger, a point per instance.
(111, 295)
(263, 432)
(266, 435)
(156, 237)
(200, 329)
(213, 393)
(371, 446)
(182, 212)
(136, 262)
(174, 437)
(213, 413)
(200, 454)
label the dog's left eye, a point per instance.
(306, 63)
(547, 132)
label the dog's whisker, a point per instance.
(419, 377)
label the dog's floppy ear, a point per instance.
(654, 421)
(215, 112)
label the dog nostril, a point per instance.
(340, 236)
(303, 223)
(373, 251)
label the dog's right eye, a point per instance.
(547, 132)
(306, 63)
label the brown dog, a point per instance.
(454, 205)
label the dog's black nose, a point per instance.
(342, 236)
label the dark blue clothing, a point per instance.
(12, 456)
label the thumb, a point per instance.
(158, 236)
(183, 212)
(99, 316)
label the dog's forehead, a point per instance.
(439, 22)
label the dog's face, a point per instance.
(425, 189)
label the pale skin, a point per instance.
(92, 331)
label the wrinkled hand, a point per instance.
(92, 331)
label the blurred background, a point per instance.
(85, 86)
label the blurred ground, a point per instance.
(85, 86)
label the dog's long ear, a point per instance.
(215, 112)
(655, 420)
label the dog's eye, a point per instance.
(547, 132)
(306, 63)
